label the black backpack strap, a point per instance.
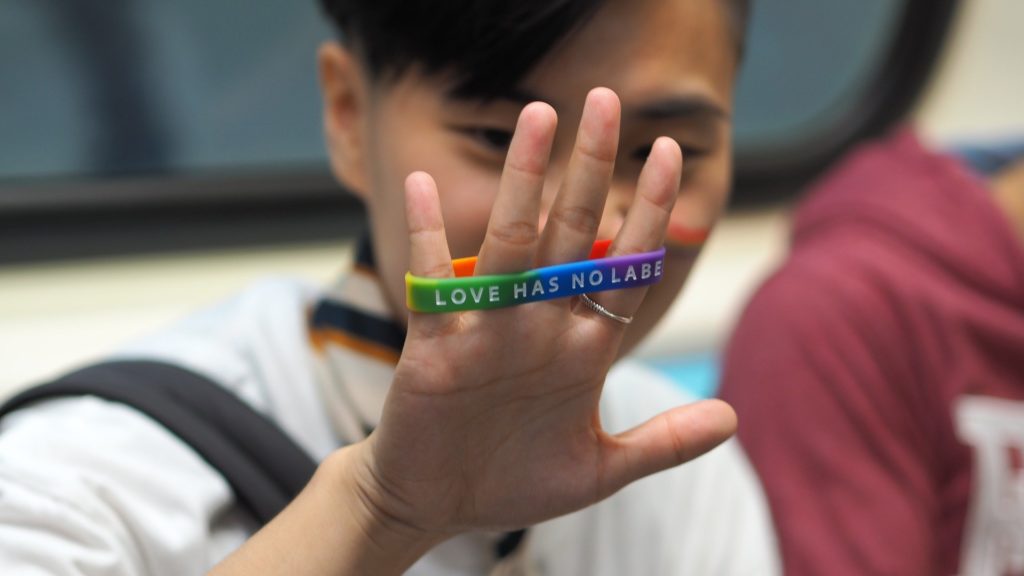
(265, 468)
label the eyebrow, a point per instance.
(678, 107)
(683, 106)
(524, 97)
(672, 107)
(513, 95)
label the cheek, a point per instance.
(467, 196)
(701, 201)
(467, 192)
(466, 189)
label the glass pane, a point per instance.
(120, 86)
(807, 62)
(101, 87)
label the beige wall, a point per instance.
(53, 316)
(978, 91)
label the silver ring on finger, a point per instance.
(589, 303)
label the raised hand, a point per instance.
(492, 419)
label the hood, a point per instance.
(923, 207)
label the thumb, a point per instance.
(667, 440)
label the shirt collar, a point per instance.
(353, 311)
(356, 344)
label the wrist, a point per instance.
(379, 537)
(332, 527)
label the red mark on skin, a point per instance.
(680, 235)
(465, 267)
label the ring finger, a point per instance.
(647, 220)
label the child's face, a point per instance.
(672, 63)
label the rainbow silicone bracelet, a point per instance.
(468, 292)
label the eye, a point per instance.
(642, 153)
(689, 153)
(495, 139)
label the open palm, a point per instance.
(492, 420)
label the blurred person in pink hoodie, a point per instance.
(879, 373)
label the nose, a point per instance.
(616, 206)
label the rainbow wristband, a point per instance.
(467, 292)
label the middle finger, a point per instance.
(511, 241)
(576, 213)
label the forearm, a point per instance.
(330, 528)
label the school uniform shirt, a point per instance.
(89, 486)
(879, 374)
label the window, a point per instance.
(121, 87)
(122, 119)
(822, 74)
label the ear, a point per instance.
(345, 98)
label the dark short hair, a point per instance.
(488, 46)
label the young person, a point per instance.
(879, 371)
(457, 427)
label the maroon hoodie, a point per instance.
(879, 374)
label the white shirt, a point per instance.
(89, 486)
